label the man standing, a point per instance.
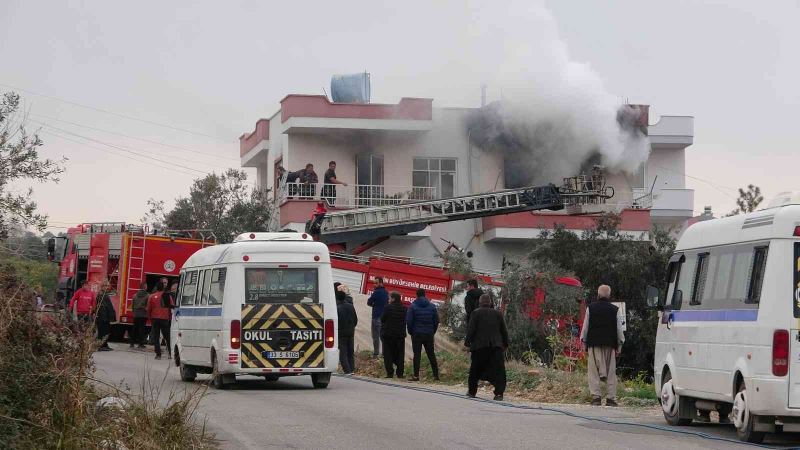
(309, 180)
(378, 301)
(472, 297)
(393, 333)
(105, 315)
(138, 334)
(82, 304)
(603, 337)
(330, 181)
(422, 321)
(487, 339)
(158, 310)
(347, 331)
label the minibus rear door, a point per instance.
(794, 335)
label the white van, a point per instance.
(729, 331)
(263, 305)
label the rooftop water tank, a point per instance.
(352, 88)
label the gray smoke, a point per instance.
(554, 115)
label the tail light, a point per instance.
(236, 334)
(329, 333)
(780, 353)
(797, 231)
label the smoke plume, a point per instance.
(553, 115)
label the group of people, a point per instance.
(486, 337)
(302, 183)
(86, 307)
(391, 322)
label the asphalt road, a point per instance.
(354, 414)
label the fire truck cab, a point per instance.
(125, 255)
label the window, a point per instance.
(637, 179)
(217, 286)
(700, 275)
(189, 288)
(270, 285)
(206, 286)
(757, 274)
(436, 173)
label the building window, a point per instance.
(637, 178)
(439, 174)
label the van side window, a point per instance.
(757, 274)
(206, 287)
(217, 286)
(700, 275)
(189, 288)
(199, 290)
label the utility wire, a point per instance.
(124, 149)
(716, 186)
(105, 111)
(135, 137)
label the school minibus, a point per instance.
(729, 331)
(263, 305)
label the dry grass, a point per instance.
(48, 394)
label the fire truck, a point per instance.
(125, 255)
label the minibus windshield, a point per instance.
(271, 285)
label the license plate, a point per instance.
(284, 355)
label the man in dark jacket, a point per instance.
(347, 331)
(309, 180)
(138, 334)
(487, 339)
(393, 333)
(105, 315)
(422, 321)
(603, 337)
(471, 300)
(378, 301)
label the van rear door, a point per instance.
(282, 319)
(794, 335)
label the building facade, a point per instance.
(414, 151)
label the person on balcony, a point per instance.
(330, 182)
(309, 180)
(291, 183)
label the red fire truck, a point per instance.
(125, 255)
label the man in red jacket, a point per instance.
(83, 302)
(159, 311)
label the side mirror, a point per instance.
(51, 249)
(652, 296)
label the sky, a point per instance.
(178, 82)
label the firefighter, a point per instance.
(105, 315)
(160, 315)
(138, 334)
(82, 305)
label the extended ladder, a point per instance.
(372, 223)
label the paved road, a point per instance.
(355, 414)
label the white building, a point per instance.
(415, 150)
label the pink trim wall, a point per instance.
(295, 105)
(632, 220)
(248, 141)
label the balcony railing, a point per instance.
(355, 195)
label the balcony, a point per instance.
(316, 114)
(672, 131)
(254, 147)
(673, 204)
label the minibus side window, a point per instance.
(700, 276)
(673, 278)
(199, 289)
(189, 288)
(206, 287)
(757, 274)
(217, 286)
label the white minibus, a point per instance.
(729, 330)
(263, 305)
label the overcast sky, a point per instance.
(214, 69)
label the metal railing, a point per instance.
(355, 195)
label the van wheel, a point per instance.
(743, 420)
(671, 403)
(217, 379)
(188, 373)
(320, 380)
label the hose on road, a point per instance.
(564, 412)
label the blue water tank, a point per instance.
(352, 88)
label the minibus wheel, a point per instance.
(188, 373)
(320, 380)
(671, 403)
(217, 379)
(743, 420)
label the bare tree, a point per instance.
(748, 200)
(19, 160)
